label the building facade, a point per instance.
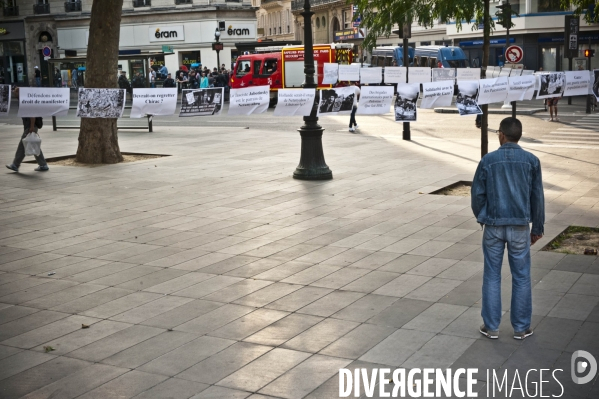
(275, 20)
(183, 30)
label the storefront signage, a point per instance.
(166, 33)
(349, 34)
(233, 31)
(480, 42)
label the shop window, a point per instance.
(189, 58)
(243, 68)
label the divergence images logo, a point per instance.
(580, 366)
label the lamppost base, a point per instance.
(312, 165)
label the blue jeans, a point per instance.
(352, 118)
(20, 154)
(517, 239)
(38, 82)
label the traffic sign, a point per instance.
(46, 51)
(514, 54)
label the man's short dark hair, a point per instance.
(511, 129)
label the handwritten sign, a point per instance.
(43, 102)
(349, 73)
(295, 102)
(468, 74)
(521, 88)
(249, 100)
(419, 74)
(153, 102)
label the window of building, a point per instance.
(324, 22)
(347, 19)
(270, 31)
(544, 6)
(318, 22)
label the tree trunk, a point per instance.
(98, 138)
(484, 136)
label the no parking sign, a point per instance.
(46, 52)
(514, 54)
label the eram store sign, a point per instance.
(240, 30)
(166, 33)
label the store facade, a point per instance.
(13, 59)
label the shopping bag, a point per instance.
(33, 144)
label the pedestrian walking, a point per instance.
(30, 125)
(152, 78)
(38, 76)
(552, 103)
(57, 78)
(352, 119)
(507, 194)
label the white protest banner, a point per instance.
(577, 83)
(43, 102)
(331, 73)
(202, 102)
(466, 99)
(521, 88)
(371, 75)
(339, 100)
(4, 99)
(153, 102)
(437, 94)
(595, 89)
(441, 74)
(249, 100)
(405, 102)
(375, 100)
(295, 102)
(492, 90)
(349, 73)
(468, 74)
(551, 85)
(419, 74)
(100, 103)
(395, 75)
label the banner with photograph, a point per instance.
(43, 102)
(492, 90)
(395, 75)
(249, 100)
(100, 103)
(405, 102)
(520, 88)
(349, 73)
(5, 96)
(419, 74)
(441, 74)
(153, 102)
(331, 73)
(468, 74)
(373, 75)
(466, 99)
(551, 85)
(596, 84)
(375, 100)
(202, 102)
(577, 83)
(295, 102)
(437, 94)
(339, 100)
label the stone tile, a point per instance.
(48, 288)
(484, 355)
(151, 309)
(29, 322)
(224, 363)
(215, 392)
(311, 274)
(575, 264)
(121, 305)
(587, 284)
(467, 293)
(400, 312)
(339, 278)
(358, 341)
(458, 251)
(6, 351)
(546, 259)
(526, 357)
(434, 289)
(174, 362)
(370, 281)
(307, 376)
(264, 370)
(397, 347)
(268, 294)
(115, 343)
(406, 245)
(298, 299)
(179, 283)
(22, 361)
(432, 267)
(586, 338)
(11, 312)
(435, 318)
(254, 268)
(179, 259)
(283, 330)
(207, 287)
(64, 296)
(296, 252)
(365, 308)
(348, 257)
(440, 352)
(554, 333)
(431, 248)
(173, 388)
(331, 303)
(238, 290)
(403, 263)
(102, 271)
(402, 285)
(229, 264)
(215, 319)
(152, 279)
(283, 271)
(574, 307)
(375, 260)
(558, 281)
(544, 301)
(322, 334)
(466, 325)
(92, 300)
(125, 386)
(249, 324)
(463, 270)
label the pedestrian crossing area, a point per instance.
(584, 131)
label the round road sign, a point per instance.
(46, 51)
(514, 54)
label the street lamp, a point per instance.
(218, 46)
(312, 165)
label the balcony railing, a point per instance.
(142, 3)
(10, 11)
(299, 4)
(72, 6)
(41, 8)
(177, 2)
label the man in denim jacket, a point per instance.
(507, 194)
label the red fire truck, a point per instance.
(283, 67)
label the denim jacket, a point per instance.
(508, 189)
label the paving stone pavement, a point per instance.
(212, 273)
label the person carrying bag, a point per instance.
(30, 144)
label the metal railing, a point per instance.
(41, 8)
(177, 2)
(10, 11)
(72, 6)
(142, 3)
(299, 4)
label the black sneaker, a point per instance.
(42, 168)
(12, 167)
(523, 334)
(488, 333)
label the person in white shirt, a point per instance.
(152, 78)
(352, 119)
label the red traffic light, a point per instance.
(589, 53)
